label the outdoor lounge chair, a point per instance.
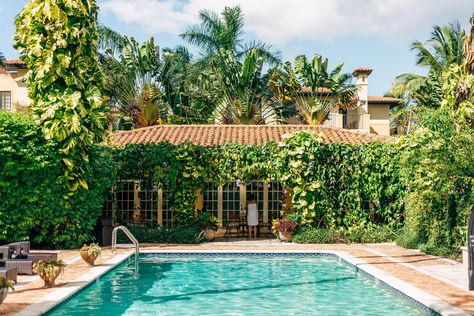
(21, 266)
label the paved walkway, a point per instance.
(445, 279)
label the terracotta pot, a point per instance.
(49, 275)
(88, 258)
(209, 234)
(285, 236)
(3, 294)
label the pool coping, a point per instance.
(424, 299)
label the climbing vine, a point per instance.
(58, 41)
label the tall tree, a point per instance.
(2, 60)
(244, 101)
(58, 41)
(225, 32)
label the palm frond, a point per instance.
(111, 40)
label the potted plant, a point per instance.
(285, 229)
(208, 223)
(5, 285)
(49, 270)
(90, 252)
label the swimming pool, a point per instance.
(238, 284)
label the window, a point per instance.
(230, 201)
(125, 200)
(148, 196)
(167, 209)
(210, 195)
(275, 201)
(5, 100)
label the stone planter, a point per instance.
(465, 257)
(3, 294)
(89, 258)
(209, 234)
(49, 275)
(285, 236)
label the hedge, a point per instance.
(32, 206)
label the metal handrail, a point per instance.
(132, 239)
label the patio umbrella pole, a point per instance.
(470, 249)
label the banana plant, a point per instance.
(244, 101)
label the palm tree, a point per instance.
(312, 89)
(216, 33)
(245, 100)
(443, 49)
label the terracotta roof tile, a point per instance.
(362, 70)
(377, 99)
(210, 135)
(15, 62)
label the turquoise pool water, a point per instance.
(237, 285)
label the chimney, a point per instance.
(362, 74)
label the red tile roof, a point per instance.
(210, 135)
(15, 62)
(377, 99)
(362, 70)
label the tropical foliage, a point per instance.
(312, 89)
(58, 42)
(437, 159)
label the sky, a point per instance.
(369, 33)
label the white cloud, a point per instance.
(281, 21)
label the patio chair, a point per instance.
(232, 223)
(21, 266)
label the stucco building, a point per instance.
(13, 91)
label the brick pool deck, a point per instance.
(445, 279)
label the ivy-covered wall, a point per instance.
(334, 185)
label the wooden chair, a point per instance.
(232, 223)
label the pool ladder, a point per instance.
(132, 239)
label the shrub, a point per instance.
(206, 220)
(178, 235)
(309, 235)
(369, 234)
(440, 250)
(408, 240)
